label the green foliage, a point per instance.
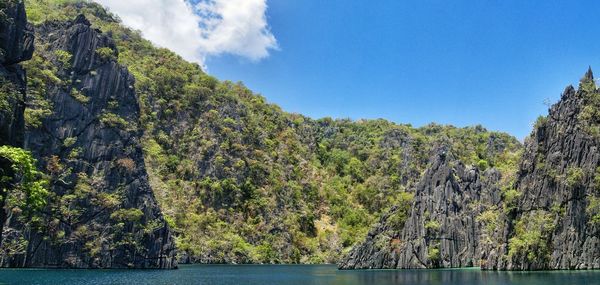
(510, 198)
(24, 186)
(41, 74)
(482, 165)
(540, 122)
(127, 215)
(490, 221)
(398, 217)
(68, 142)
(79, 96)
(113, 120)
(432, 226)
(64, 58)
(531, 239)
(593, 210)
(433, 254)
(589, 116)
(240, 180)
(39, 11)
(9, 94)
(574, 177)
(106, 53)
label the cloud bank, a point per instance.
(202, 28)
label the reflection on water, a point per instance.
(293, 275)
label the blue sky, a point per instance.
(489, 62)
(493, 63)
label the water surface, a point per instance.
(293, 275)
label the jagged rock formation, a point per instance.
(442, 229)
(16, 45)
(553, 225)
(102, 212)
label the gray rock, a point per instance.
(16, 45)
(441, 230)
(96, 136)
(555, 149)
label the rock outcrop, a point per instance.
(554, 224)
(16, 45)
(440, 229)
(102, 212)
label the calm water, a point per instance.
(292, 275)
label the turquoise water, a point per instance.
(292, 275)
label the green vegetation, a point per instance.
(41, 75)
(79, 96)
(22, 186)
(531, 240)
(575, 177)
(238, 179)
(490, 220)
(8, 94)
(68, 142)
(64, 58)
(433, 254)
(23, 177)
(540, 122)
(106, 53)
(113, 121)
(593, 199)
(590, 115)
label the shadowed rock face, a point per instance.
(556, 179)
(102, 213)
(16, 45)
(441, 229)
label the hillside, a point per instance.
(553, 220)
(237, 179)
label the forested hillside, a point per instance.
(238, 179)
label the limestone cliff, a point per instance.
(441, 228)
(554, 223)
(16, 45)
(102, 212)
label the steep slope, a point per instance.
(101, 212)
(16, 45)
(553, 221)
(440, 228)
(242, 181)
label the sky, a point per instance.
(498, 63)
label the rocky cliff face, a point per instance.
(16, 45)
(554, 223)
(440, 228)
(102, 212)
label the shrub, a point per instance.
(575, 177)
(482, 165)
(532, 236)
(126, 163)
(433, 254)
(23, 178)
(106, 53)
(79, 96)
(114, 121)
(540, 122)
(64, 58)
(127, 215)
(432, 226)
(70, 141)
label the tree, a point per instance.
(21, 184)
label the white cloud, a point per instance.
(197, 31)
